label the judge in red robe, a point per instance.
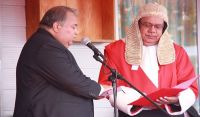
(150, 60)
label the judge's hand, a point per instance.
(168, 100)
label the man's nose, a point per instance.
(152, 29)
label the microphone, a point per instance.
(86, 41)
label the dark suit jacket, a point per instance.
(50, 83)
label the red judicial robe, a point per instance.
(169, 75)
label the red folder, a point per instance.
(163, 92)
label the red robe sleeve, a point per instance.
(184, 68)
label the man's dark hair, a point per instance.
(56, 14)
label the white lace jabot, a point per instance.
(149, 63)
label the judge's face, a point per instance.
(67, 31)
(151, 29)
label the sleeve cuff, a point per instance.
(188, 95)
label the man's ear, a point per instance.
(56, 27)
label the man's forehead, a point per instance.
(155, 19)
(71, 17)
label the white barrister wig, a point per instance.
(133, 40)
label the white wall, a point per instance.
(12, 39)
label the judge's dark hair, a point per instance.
(56, 14)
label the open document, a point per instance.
(127, 98)
(169, 92)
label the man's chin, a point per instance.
(150, 44)
(68, 44)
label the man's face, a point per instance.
(68, 30)
(151, 29)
